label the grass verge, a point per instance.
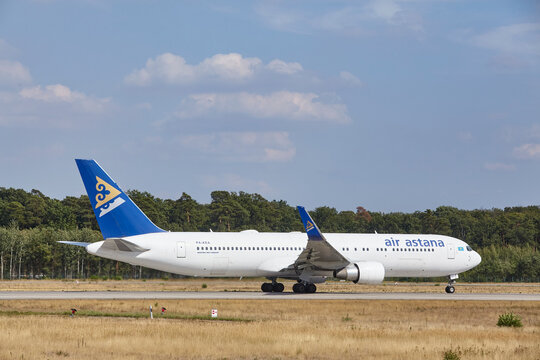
(128, 315)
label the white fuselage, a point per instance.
(250, 253)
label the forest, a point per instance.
(31, 224)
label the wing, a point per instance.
(318, 254)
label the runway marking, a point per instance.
(125, 295)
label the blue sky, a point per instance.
(387, 104)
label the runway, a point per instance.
(224, 295)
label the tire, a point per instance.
(266, 287)
(450, 289)
(311, 288)
(278, 287)
(299, 288)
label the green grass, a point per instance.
(509, 320)
(131, 315)
(450, 355)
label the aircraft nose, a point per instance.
(477, 258)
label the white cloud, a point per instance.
(55, 106)
(350, 78)
(229, 66)
(173, 69)
(13, 72)
(394, 14)
(243, 146)
(497, 166)
(282, 67)
(348, 20)
(62, 94)
(281, 104)
(527, 151)
(517, 39)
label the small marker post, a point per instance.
(73, 311)
(214, 313)
(163, 309)
(151, 315)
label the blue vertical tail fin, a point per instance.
(116, 214)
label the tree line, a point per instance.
(31, 224)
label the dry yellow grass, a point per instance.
(250, 284)
(282, 329)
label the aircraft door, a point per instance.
(180, 249)
(451, 251)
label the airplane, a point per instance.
(131, 237)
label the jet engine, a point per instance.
(368, 272)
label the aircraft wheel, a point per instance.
(278, 287)
(266, 287)
(299, 288)
(311, 288)
(450, 289)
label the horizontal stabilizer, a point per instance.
(76, 243)
(117, 244)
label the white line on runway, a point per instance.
(170, 295)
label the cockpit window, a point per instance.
(469, 248)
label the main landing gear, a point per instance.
(450, 287)
(272, 287)
(304, 287)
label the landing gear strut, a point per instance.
(304, 287)
(450, 287)
(272, 287)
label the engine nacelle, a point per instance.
(369, 272)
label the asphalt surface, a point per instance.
(125, 295)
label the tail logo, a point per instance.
(309, 226)
(106, 193)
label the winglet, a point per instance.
(312, 229)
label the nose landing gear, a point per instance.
(450, 287)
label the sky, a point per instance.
(393, 105)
